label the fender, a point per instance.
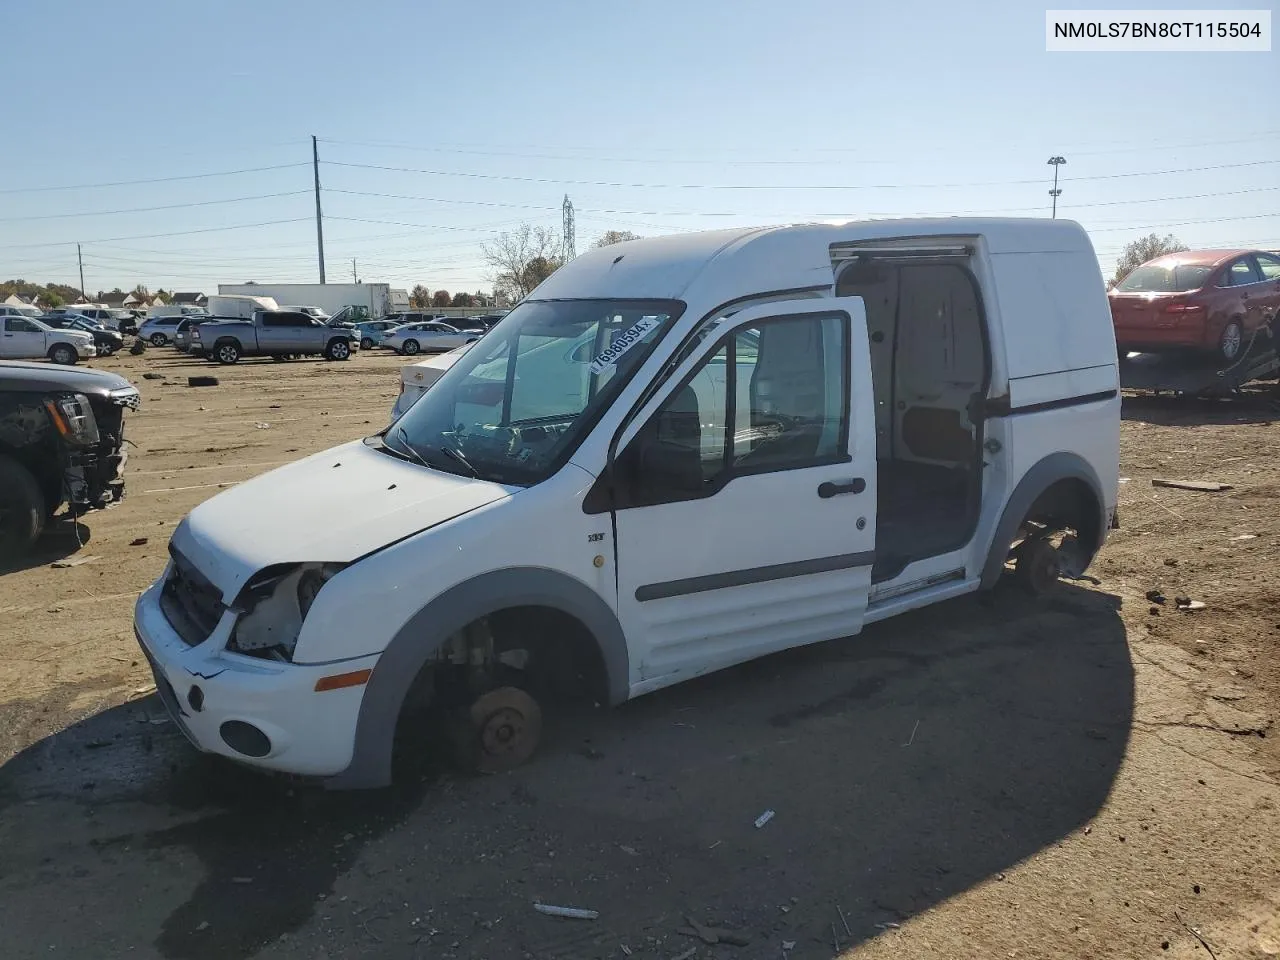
(426, 631)
(1045, 473)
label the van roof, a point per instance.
(776, 258)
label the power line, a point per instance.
(510, 150)
(151, 236)
(167, 206)
(726, 186)
(130, 183)
(791, 214)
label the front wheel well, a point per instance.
(549, 653)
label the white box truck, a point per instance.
(375, 298)
(238, 307)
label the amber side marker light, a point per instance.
(340, 680)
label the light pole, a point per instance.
(1056, 192)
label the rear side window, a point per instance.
(275, 320)
(1269, 266)
(1241, 273)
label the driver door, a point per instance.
(20, 339)
(745, 493)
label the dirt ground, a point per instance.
(1095, 776)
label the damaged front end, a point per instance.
(93, 430)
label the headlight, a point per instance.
(310, 582)
(273, 605)
(73, 417)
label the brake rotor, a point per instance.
(508, 725)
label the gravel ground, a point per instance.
(1092, 776)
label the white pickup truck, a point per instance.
(26, 338)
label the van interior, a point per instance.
(930, 372)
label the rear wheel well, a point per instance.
(1068, 507)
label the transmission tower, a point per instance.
(570, 242)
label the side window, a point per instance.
(300, 320)
(275, 320)
(21, 325)
(1269, 265)
(769, 398)
(1240, 273)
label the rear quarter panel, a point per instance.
(1060, 348)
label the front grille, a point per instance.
(192, 605)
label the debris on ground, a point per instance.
(692, 951)
(1202, 486)
(138, 347)
(262, 426)
(571, 913)
(87, 558)
(1155, 596)
(764, 818)
(713, 935)
(153, 376)
(202, 381)
(138, 542)
(1186, 603)
(1243, 536)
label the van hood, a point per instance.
(334, 506)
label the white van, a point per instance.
(239, 306)
(677, 454)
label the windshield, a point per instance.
(516, 405)
(1166, 278)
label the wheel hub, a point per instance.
(508, 725)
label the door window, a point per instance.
(275, 320)
(769, 398)
(1240, 273)
(1269, 266)
(20, 325)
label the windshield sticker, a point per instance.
(624, 342)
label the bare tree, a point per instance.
(610, 237)
(1140, 251)
(521, 259)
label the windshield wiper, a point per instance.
(403, 436)
(460, 458)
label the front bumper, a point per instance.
(307, 733)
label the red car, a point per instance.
(1210, 300)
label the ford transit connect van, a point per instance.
(676, 455)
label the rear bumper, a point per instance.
(1187, 332)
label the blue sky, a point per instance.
(654, 117)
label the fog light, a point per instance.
(245, 738)
(195, 697)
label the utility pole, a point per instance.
(568, 246)
(315, 168)
(353, 270)
(80, 259)
(1055, 192)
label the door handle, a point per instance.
(830, 488)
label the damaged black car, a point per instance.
(61, 443)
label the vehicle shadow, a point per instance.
(62, 538)
(903, 766)
(1253, 404)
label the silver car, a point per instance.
(158, 331)
(431, 336)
